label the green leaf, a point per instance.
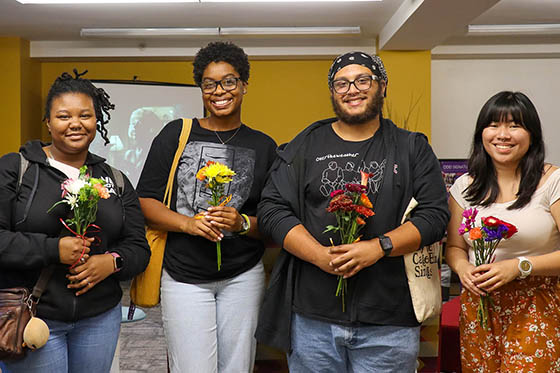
(331, 228)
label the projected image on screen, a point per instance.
(141, 111)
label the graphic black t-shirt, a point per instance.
(330, 163)
(249, 153)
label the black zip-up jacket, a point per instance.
(282, 208)
(29, 235)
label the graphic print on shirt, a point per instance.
(192, 195)
(340, 172)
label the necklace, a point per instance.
(228, 140)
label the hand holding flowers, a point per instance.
(216, 175)
(350, 207)
(485, 240)
(82, 195)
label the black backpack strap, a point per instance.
(119, 180)
(24, 165)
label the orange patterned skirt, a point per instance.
(524, 328)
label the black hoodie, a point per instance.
(29, 235)
(381, 293)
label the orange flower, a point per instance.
(362, 210)
(365, 176)
(103, 193)
(201, 174)
(475, 234)
(360, 221)
(364, 200)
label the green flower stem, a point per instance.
(219, 253)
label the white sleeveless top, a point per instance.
(537, 231)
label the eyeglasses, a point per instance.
(362, 83)
(227, 84)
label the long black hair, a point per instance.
(66, 83)
(500, 108)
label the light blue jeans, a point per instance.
(87, 345)
(210, 327)
(319, 346)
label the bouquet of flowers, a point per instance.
(82, 195)
(350, 206)
(485, 239)
(216, 176)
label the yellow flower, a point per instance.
(220, 172)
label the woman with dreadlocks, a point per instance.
(81, 302)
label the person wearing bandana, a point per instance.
(376, 330)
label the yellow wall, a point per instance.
(20, 94)
(409, 76)
(31, 100)
(283, 96)
(10, 97)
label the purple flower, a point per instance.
(495, 233)
(462, 229)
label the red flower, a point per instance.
(355, 188)
(511, 229)
(335, 193)
(340, 202)
(491, 221)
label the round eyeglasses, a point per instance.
(362, 83)
(227, 84)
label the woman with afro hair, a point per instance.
(81, 303)
(210, 313)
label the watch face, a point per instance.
(525, 265)
(119, 262)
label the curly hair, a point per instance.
(484, 189)
(219, 51)
(65, 83)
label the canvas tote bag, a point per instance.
(145, 288)
(423, 276)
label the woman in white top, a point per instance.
(509, 180)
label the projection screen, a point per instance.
(141, 111)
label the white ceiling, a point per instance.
(398, 24)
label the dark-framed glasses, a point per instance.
(362, 83)
(227, 84)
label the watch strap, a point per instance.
(246, 225)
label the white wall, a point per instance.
(461, 86)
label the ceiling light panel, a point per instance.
(79, 2)
(148, 32)
(521, 29)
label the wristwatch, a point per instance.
(525, 267)
(246, 225)
(118, 261)
(386, 244)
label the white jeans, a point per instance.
(210, 327)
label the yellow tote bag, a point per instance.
(145, 288)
